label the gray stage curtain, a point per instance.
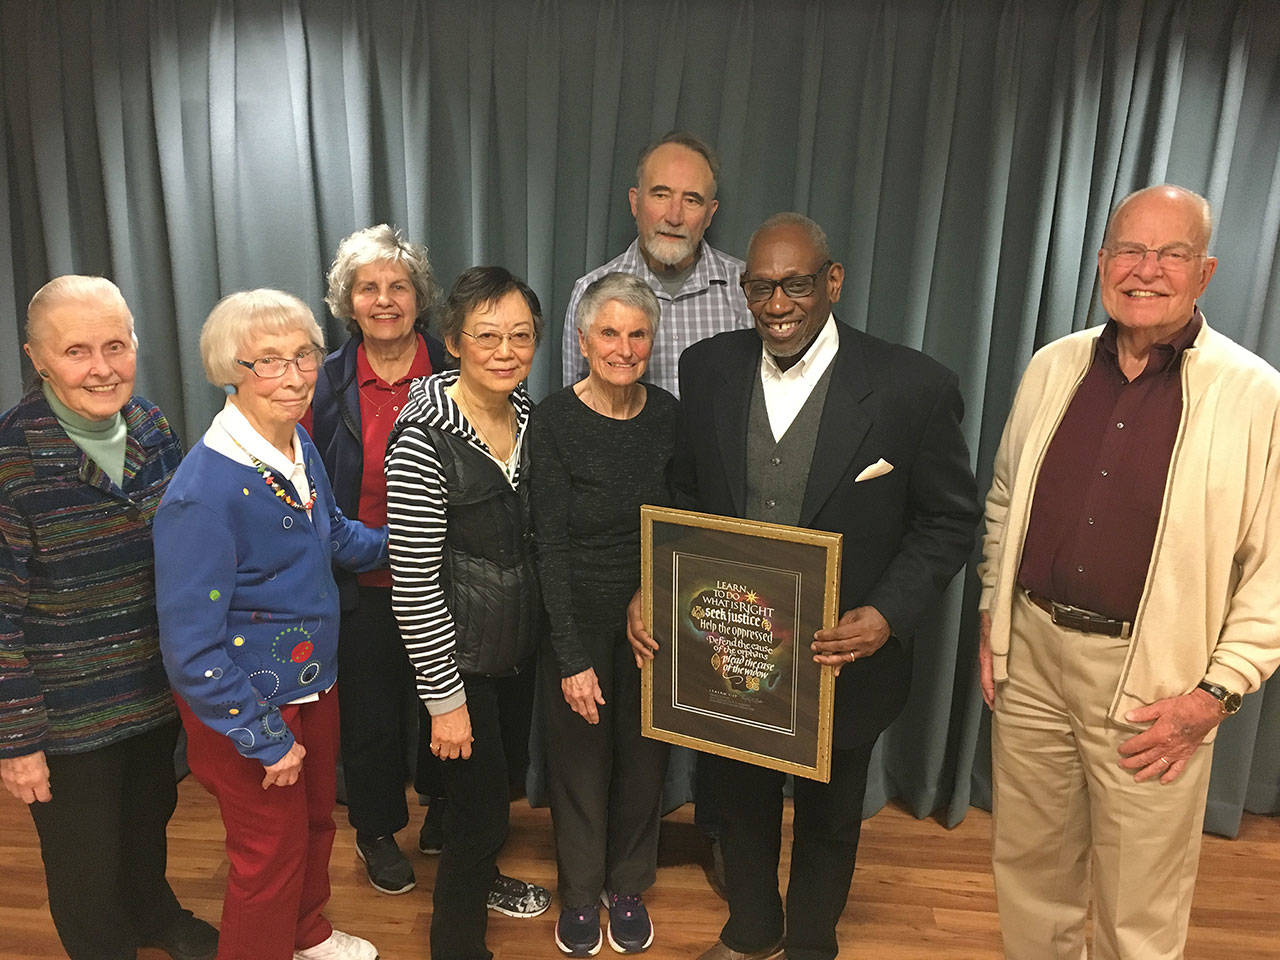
(962, 155)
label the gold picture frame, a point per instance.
(733, 605)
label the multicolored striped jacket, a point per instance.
(80, 662)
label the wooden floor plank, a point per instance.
(920, 892)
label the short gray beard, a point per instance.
(670, 251)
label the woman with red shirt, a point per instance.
(382, 287)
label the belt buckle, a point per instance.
(1086, 621)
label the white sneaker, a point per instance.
(339, 946)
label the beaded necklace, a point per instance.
(270, 481)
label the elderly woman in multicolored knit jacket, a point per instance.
(248, 609)
(87, 723)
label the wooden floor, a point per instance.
(920, 891)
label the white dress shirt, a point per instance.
(785, 391)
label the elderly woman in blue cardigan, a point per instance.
(248, 609)
(87, 724)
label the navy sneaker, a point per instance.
(578, 931)
(630, 929)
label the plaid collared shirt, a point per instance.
(710, 302)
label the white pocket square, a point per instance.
(877, 469)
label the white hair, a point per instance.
(72, 288)
(241, 318)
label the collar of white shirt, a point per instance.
(785, 391)
(232, 435)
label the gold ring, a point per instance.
(852, 656)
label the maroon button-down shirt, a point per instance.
(1098, 495)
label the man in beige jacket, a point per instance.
(1129, 597)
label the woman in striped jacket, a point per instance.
(464, 587)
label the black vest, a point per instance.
(488, 575)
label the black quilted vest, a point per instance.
(488, 574)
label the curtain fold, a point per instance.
(962, 156)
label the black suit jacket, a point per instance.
(906, 533)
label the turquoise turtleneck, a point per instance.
(101, 440)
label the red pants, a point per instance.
(278, 839)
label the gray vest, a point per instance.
(777, 473)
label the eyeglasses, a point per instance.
(273, 368)
(490, 340)
(794, 287)
(1172, 256)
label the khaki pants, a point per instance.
(1069, 821)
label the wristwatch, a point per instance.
(1229, 700)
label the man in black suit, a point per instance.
(808, 422)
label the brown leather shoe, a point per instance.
(722, 952)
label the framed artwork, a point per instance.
(733, 605)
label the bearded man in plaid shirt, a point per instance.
(673, 202)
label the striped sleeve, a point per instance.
(416, 502)
(24, 722)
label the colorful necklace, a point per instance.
(270, 481)
(279, 490)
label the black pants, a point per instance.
(475, 819)
(102, 838)
(604, 780)
(383, 723)
(828, 821)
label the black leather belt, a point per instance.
(1077, 618)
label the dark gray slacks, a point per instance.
(605, 779)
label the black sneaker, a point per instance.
(515, 898)
(431, 836)
(388, 870)
(186, 938)
(578, 931)
(630, 929)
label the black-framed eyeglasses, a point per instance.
(273, 368)
(490, 340)
(794, 287)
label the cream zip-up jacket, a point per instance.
(1210, 608)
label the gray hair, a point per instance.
(368, 246)
(814, 232)
(624, 288)
(1204, 212)
(72, 287)
(689, 142)
(239, 319)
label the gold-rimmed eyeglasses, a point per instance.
(490, 340)
(1175, 256)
